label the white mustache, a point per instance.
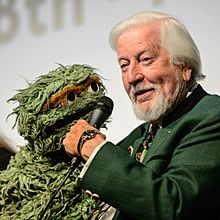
(140, 88)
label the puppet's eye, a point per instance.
(94, 87)
(71, 96)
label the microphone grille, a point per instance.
(106, 104)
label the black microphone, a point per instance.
(102, 110)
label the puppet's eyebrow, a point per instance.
(60, 97)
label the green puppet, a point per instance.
(46, 110)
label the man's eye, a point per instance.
(123, 67)
(94, 87)
(147, 59)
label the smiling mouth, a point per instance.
(143, 91)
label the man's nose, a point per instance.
(135, 74)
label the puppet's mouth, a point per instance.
(68, 120)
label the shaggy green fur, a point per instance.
(41, 165)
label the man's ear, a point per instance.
(186, 73)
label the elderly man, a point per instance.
(168, 167)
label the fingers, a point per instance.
(69, 144)
(72, 138)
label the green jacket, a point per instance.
(180, 176)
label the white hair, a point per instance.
(174, 37)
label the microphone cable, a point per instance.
(74, 164)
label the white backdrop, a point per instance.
(36, 34)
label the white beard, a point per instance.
(158, 109)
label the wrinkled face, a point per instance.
(150, 80)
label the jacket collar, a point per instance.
(186, 105)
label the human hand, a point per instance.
(72, 139)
